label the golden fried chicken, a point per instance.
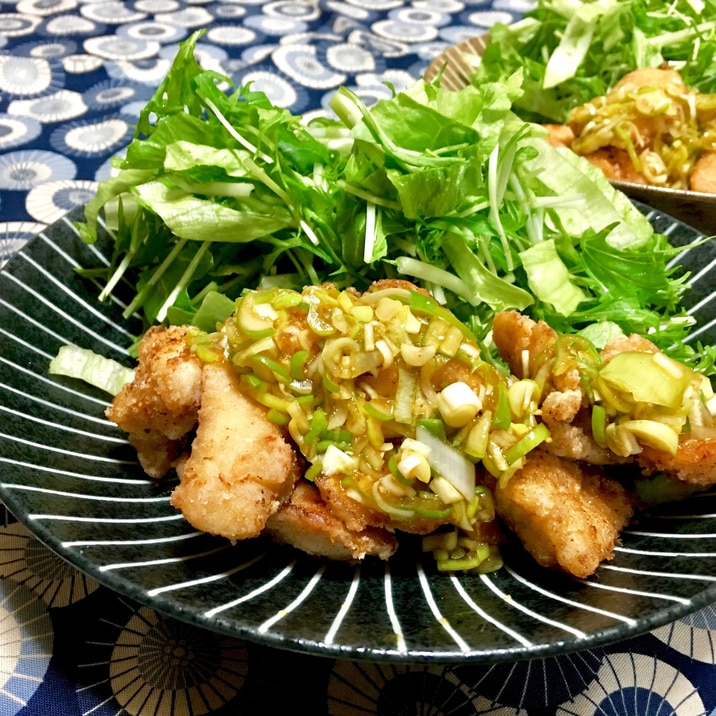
(241, 468)
(358, 516)
(694, 462)
(526, 345)
(307, 522)
(560, 135)
(568, 517)
(161, 404)
(703, 175)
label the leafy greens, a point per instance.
(221, 191)
(574, 50)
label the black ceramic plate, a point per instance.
(70, 476)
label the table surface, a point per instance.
(73, 76)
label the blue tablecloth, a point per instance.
(73, 75)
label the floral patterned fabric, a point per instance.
(73, 75)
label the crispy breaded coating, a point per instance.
(525, 344)
(625, 344)
(357, 516)
(515, 334)
(560, 135)
(306, 522)
(694, 461)
(616, 164)
(241, 468)
(703, 175)
(663, 77)
(567, 517)
(161, 404)
(354, 514)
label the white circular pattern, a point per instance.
(24, 169)
(69, 25)
(230, 35)
(629, 684)
(80, 64)
(15, 131)
(52, 200)
(149, 72)
(256, 53)
(343, 8)
(86, 139)
(150, 6)
(25, 645)
(398, 78)
(451, 6)
(405, 31)
(24, 76)
(278, 90)
(301, 64)
(421, 16)
(346, 57)
(152, 31)
(14, 235)
(486, 19)
(111, 47)
(30, 563)
(57, 107)
(189, 17)
(518, 6)
(287, 8)
(111, 13)
(14, 24)
(46, 7)
(52, 50)
(693, 636)
(275, 26)
(454, 34)
(109, 94)
(376, 4)
(230, 11)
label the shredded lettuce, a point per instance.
(84, 364)
(573, 50)
(220, 191)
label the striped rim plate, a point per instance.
(70, 476)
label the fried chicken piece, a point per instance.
(624, 344)
(525, 344)
(519, 340)
(560, 135)
(354, 514)
(572, 438)
(662, 77)
(567, 517)
(616, 164)
(241, 468)
(307, 522)
(703, 175)
(160, 406)
(357, 516)
(693, 463)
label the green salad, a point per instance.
(220, 191)
(571, 51)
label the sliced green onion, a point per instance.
(503, 414)
(449, 463)
(278, 370)
(526, 444)
(599, 424)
